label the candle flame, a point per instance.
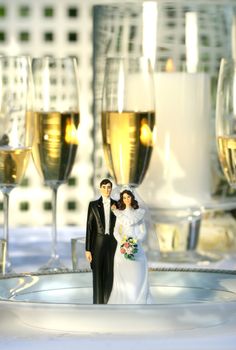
(170, 67)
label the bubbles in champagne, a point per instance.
(55, 144)
(13, 163)
(128, 143)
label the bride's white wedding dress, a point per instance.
(130, 283)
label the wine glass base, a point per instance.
(53, 265)
(192, 256)
(7, 269)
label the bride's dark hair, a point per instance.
(121, 204)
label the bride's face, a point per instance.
(127, 199)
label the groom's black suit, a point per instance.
(102, 247)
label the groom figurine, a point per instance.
(100, 243)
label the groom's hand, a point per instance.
(113, 207)
(88, 256)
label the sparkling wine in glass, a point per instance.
(56, 122)
(226, 119)
(128, 126)
(128, 118)
(16, 131)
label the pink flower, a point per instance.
(128, 248)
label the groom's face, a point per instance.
(106, 190)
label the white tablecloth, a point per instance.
(30, 248)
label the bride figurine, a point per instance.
(130, 284)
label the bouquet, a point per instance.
(129, 247)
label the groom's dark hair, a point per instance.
(105, 182)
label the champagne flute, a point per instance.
(57, 121)
(128, 126)
(16, 131)
(128, 118)
(226, 119)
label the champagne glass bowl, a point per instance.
(226, 119)
(128, 118)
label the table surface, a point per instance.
(30, 248)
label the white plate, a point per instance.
(185, 299)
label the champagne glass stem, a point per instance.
(54, 253)
(6, 194)
(54, 264)
(6, 215)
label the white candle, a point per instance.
(179, 172)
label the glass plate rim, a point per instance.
(7, 301)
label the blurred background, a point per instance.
(58, 28)
(90, 30)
